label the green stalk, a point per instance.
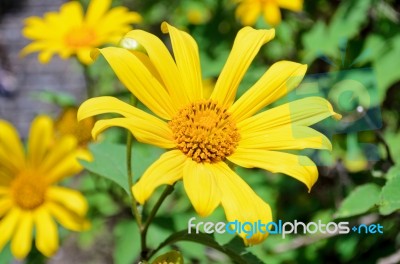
(90, 90)
(143, 236)
(129, 142)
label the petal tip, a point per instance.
(94, 54)
(337, 116)
(164, 27)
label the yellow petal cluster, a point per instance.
(30, 200)
(71, 32)
(203, 132)
(248, 11)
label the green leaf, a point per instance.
(171, 257)
(5, 254)
(359, 201)
(127, 242)
(237, 245)
(325, 39)
(110, 161)
(386, 67)
(390, 195)
(230, 249)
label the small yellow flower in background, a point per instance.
(29, 198)
(248, 11)
(67, 124)
(202, 132)
(70, 32)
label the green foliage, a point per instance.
(127, 242)
(234, 249)
(362, 199)
(326, 40)
(171, 257)
(390, 195)
(110, 161)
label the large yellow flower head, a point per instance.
(29, 198)
(248, 11)
(70, 32)
(202, 133)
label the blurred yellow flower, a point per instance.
(248, 11)
(70, 32)
(204, 132)
(67, 124)
(29, 198)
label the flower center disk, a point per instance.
(205, 132)
(28, 191)
(80, 37)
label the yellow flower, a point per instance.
(201, 132)
(66, 124)
(29, 198)
(70, 32)
(248, 11)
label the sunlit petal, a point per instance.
(201, 186)
(299, 167)
(240, 202)
(166, 170)
(246, 46)
(281, 78)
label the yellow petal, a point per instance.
(186, 54)
(294, 5)
(298, 167)
(44, 57)
(272, 14)
(302, 112)
(5, 176)
(201, 187)
(71, 199)
(7, 226)
(144, 131)
(68, 166)
(8, 167)
(67, 218)
(21, 242)
(5, 205)
(33, 47)
(281, 78)
(285, 138)
(139, 80)
(96, 10)
(10, 144)
(166, 170)
(84, 55)
(65, 146)
(246, 46)
(165, 65)
(116, 19)
(240, 202)
(46, 232)
(73, 12)
(248, 12)
(40, 138)
(145, 127)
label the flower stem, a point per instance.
(167, 191)
(129, 142)
(90, 90)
